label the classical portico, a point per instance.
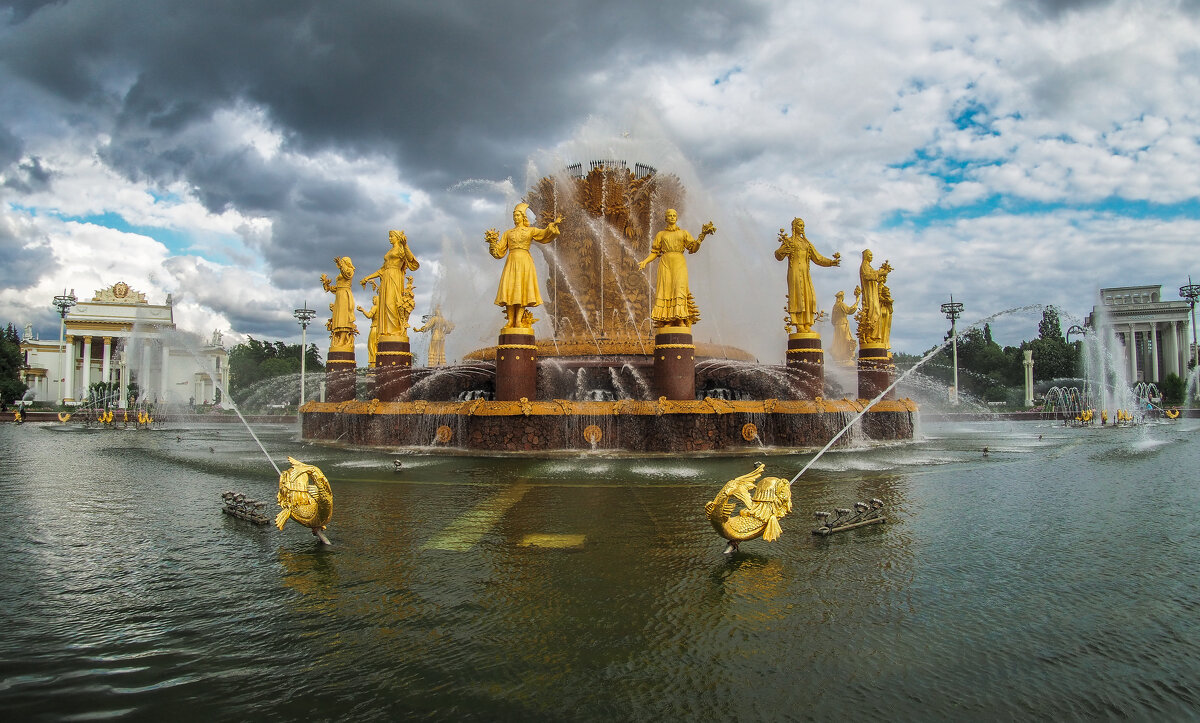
(1154, 332)
(119, 337)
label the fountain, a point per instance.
(620, 369)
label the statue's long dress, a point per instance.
(342, 318)
(869, 303)
(672, 297)
(802, 303)
(518, 281)
(396, 261)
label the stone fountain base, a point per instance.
(708, 425)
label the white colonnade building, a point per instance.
(119, 337)
(1154, 332)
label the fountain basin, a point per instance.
(635, 426)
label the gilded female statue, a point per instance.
(397, 261)
(798, 250)
(438, 327)
(373, 337)
(518, 282)
(341, 326)
(843, 340)
(869, 327)
(673, 302)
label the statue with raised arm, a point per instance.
(843, 340)
(518, 281)
(673, 301)
(341, 325)
(373, 337)
(798, 250)
(438, 327)
(870, 328)
(393, 292)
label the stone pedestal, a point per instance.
(339, 375)
(393, 366)
(516, 365)
(675, 363)
(875, 372)
(805, 356)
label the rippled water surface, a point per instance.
(1057, 577)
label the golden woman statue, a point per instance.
(438, 327)
(869, 327)
(392, 291)
(798, 250)
(843, 340)
(673, 302)
(341, 326)
(373, 337)
(518, 282)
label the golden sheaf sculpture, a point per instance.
(759, 517)
(305, 497)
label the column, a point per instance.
(675, 363)
(806, 357)
(68, 364)
(1028, 364)
(164, 379)
(87, 365)
(105, 366)
(145, 391)
(393, 367)
(1131, 354)
(1152, 352)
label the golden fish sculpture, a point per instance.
(759, 517)
(305, 497)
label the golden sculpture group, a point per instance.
(761, 511)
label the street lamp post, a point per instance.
(63, 302)
(1191, 292)
(303, 315)
(953, 310)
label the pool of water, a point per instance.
(1056, 577)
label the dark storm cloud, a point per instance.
(19, 262)
(425, 81)
(10, 147)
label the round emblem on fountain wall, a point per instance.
(443, 434)
(592, 434)
(749, 432)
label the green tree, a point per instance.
(1173, 388)
(254, 361)
(1053, 357)
(11, 361)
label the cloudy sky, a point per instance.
(1008, 152)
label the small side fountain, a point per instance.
(621, 369)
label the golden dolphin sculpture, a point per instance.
(771, 500)
(305, 497)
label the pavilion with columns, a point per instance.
(119, 337)
(1153, 331)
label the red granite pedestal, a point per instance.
(675, 363)
(393, 367)
(875, 372)
(805, 356)
(339, 375)
(516, 365)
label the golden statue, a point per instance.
(394, 292)
(798, 250)
(518, 282)
(870, 330)
(843, 340)
(759, 517)
(885, 315)
(373, 337)
(341, 326)
(305, 497)
(673, 302)
(438, 327)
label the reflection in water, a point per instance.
(1055, 578)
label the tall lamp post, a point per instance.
(1191, 292)
(953, 310)
(63, 302)
(303, 315)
